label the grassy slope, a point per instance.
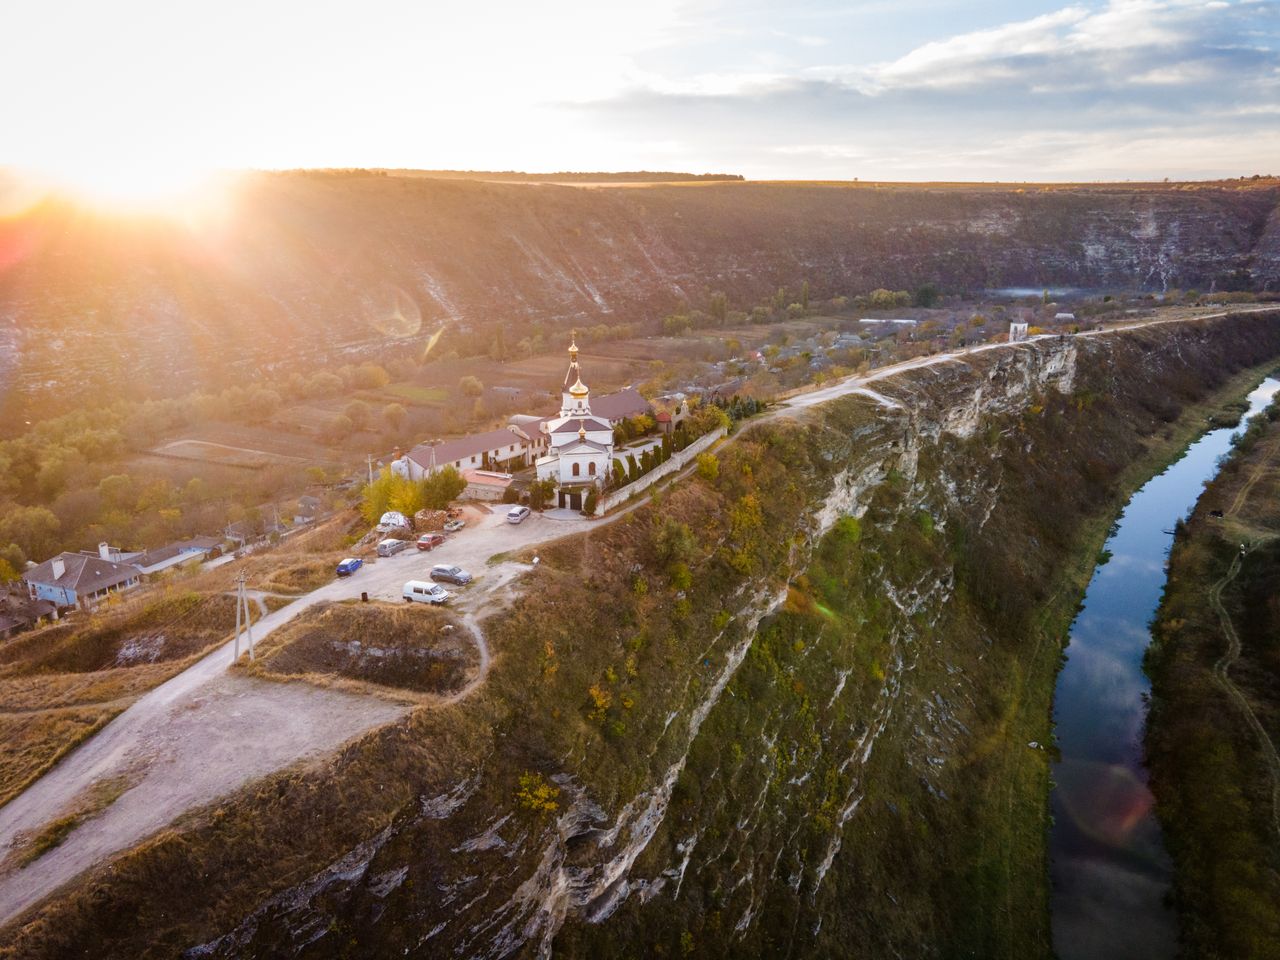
(597, 667)
(374, 648)
(60, 684)
(1210, 777)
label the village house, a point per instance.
(180, 553)
(20, 613)
(487, 485)
(496, 449)
(307, 509)
(79, 580)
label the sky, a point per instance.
(148, 91)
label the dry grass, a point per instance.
(92, 802)
(34, 742)
(372, 648)
(60, 684)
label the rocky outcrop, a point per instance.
(346, 262)
(810, 728)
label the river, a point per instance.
(1110, 870)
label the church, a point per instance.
(580, 444)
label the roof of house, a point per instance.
(151, 558)
(581, 446)
(487, 478)
(20, 611)
(582, 423)
(464, 447)
(664, 417)
(624, 403)
(159, 555)
(82, 574)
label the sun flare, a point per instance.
(128, 185)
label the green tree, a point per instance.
(719, 308)
(442, 488)
(471, 386)
(33, 529)
(117, 490)
(592, 502)
(804, 296)
(540, 492)
(13, 555)
(926, 295)
(674, 543)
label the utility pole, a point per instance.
(433, 444)
(242, 607)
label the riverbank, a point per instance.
(1215, 715)
(796, 702)
(1022, 789)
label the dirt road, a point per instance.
(203, 734)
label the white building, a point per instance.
(581, 444)
(1017, 332)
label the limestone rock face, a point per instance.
(312, 267)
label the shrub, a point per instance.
(708, 466)
(536, 794)
(592, 503)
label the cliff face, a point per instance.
(788, 710)
(302, 265)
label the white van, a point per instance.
(391, 546)
(420, 591)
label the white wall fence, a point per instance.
(677, 462)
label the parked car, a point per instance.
(349, 566)
(517, 514)
(429, 541)
(450, 574)
(391, 546)
(419, 591)
(453, 526)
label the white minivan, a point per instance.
(420, 591)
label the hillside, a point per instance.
(303, 266)
(1215, 714)
(812, 723)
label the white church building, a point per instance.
(580, 444)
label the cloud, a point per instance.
(1130, 88)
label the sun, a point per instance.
(132, 185)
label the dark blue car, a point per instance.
(349, 566)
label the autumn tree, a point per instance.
(394, 416)
(357, 411)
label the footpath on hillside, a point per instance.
(204, 733)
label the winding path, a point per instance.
(204, 733)
(1222, 667)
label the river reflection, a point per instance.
(1109, 867)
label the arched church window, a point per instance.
(576, 468)
(591, 468)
